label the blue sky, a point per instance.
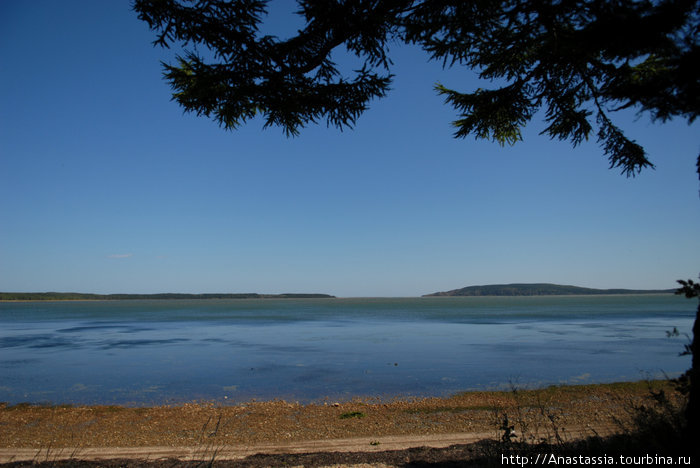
(107, 187)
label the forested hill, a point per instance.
(540, 289)
(56, 296)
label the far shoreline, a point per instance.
(282, 297)
(82, 297)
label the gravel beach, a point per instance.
(197, 430)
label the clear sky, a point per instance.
(107, 187)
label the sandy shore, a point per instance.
(197, 430)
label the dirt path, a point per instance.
(209, 452)
(362, 444)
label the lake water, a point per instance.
(158, 352)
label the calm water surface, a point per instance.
(156, 352)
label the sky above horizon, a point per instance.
(107, 187)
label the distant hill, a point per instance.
(57, 296)
(540, 289)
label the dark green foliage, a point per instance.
(659, 424)
(490, 114)
(49, 296)
(690, 382)
(572, 59)
(289, 82)
(508, 430)
(352, 414)
(579, 61)
(621, 151)
(689, 289)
